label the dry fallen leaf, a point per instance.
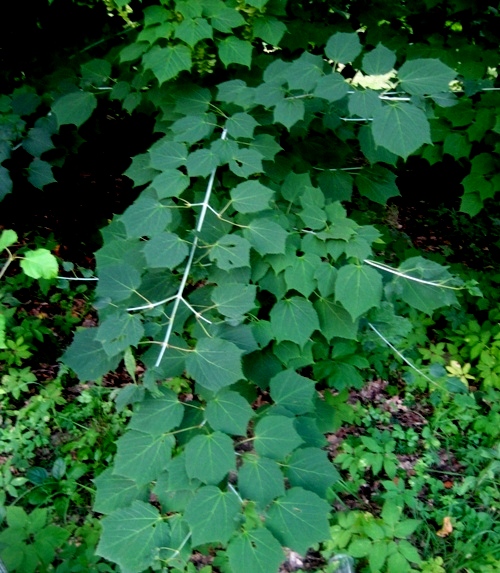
(446, 529)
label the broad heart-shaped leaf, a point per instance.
(260, 479)
(166, 154)
(229, 412)
(5, 182)
(422, 296)
(268, 29)
(311, 469)
(132, 537)
(86, 356)
(165, 251)
(166, 63)
(192, 30)
(201, 163)
(358, 288)
(343, 47)
(119, 331)
(156, 415)
(251, 197)
(289, 111)
(255, 551)
(299, 519)
(379, 61)
(275, 437)
(40, 173)
(232, 50)
(401, 128)
(231, 252)
(7, 239)
(331, 87)
(246, 162)
(300, 276)
(241, 125)
(75, 108)
(169, 183)
(146, 217)
(40, 263)
(140, 170)
(38, 141)
(224, 19)
(364, 103)
(142, 457)
(210, 457)
(304, 72)
(293, 392)
(215, 363)
(192, 128)
(234, 300)
(334, 320)
(377, 183)
(118, 282)
(266, 236)
(115, 492)
(211, 514)
(425, 76)
(294, 319)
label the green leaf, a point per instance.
(289, 112)
(268, 29)
(225, 19)
(293, 392)
(5, 182)
(232, 50)
(266, 236)
(210, 457)
(379, 61)
(294, 319)
(335, 321)
(39, 264)
(358, 288)
(266, 145)
(401, 128)
(374, 153)
(75, 108)
(86, 356)
(234, 300)
(270, 93)
(229, 412)
(211, 514)
(304, 72)
(132, 536)
(157, 414)
(142, 457)
(311, 469)
(241, 125)
(118, 282)
(115, 492)
(426, 297)
(255, 551)
(146, 217)
(331, 87)
(377, 555)
(140, 170)
(377, 183)
(231, 252)
(300, 275)
(192, 128)
(38, 141)
(193, 30)
(215, 363)
(40, 173)
(246, 162)
(251, 197)
(360, 547)
(167, 154)
(396, 563)
(275, 437)
(166, 63)
(425, 76)
(343, 47)
(260, 479)
(7, 239)
(364, 103)
(409, 552)
(201, 163)
(119, 331)
(299, 519)
(165, 251)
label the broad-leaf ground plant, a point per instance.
(237, 279)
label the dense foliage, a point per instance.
(245, 288)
